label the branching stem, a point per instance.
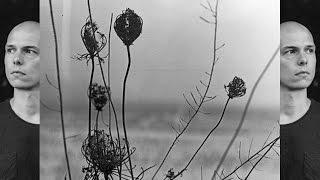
(202, 100)
(206, 138)
(244, 113)
(264, 154)
(251, 157)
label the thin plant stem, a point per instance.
(202, 100)
(104, 81)
(110, 104)
(92, 71)
(201, 173)
(59, 90)
(244, 113)
(205, 139)
(90, 92)
(109, 73)
(123, 111)
(97, 118)
(96, 133)
(250, 158)
(264, 154)
(114, 112)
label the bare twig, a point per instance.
(200, 102)
(204, 141)
(59, 90)
(252, 157)
(244, 113)
(271, 145)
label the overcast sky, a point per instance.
(173, 52)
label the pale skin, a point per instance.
(22, 64)
(297, 70)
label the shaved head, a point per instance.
(291, 27)
(22, 56)
(27, 27)
(297, 56)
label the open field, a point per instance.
(150, 132)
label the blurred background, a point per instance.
(13, 12)
(307, 13)
(169, 58)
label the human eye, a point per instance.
(10, 50)
(310, 50)
(30, 52)
(290, 51)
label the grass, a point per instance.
(149, 133)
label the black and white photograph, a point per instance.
(20, 89)
(299, 90)
(160, 90)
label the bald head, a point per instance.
(22, 56)
(292, 29)
(297, 56)
(291, 25)
(29, 27)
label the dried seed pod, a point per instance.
(93, 40)
(99, 95)
(236, 88)
(103, 153)
(128, 26)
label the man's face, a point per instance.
(297, 57)
(22, 57)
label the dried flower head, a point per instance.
(103, 154)
(170, 174)
(93, 40)
(99, 95)
(236, 88)
(128, 26)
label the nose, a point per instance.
(302, 60)
(18, 60)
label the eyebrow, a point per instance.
(289, 47)
(24, 47)
(9, 45)
(295, 47)
(31, 47)
(311, 46)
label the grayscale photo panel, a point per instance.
(19, 89)
(160, 90)
(299, 90)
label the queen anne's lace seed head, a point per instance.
(236, 88)
(93, 40)
(99, 95)
(128, 26)
(102, 153)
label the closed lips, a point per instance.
(302, 72)
(17, 72)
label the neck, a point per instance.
(293, 105)
(26, 104)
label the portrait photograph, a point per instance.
(299, 90)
